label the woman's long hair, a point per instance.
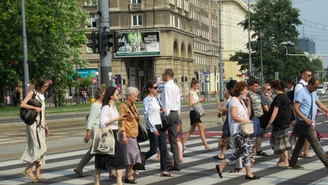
(145, 90)
(39, 83)
(107, 96)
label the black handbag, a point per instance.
(142, 134)
(29, 115)
(165, 119)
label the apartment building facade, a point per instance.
(151, 36)
(234, 37)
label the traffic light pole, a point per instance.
(105, 56)
(25, 57)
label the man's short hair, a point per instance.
(169, 72)
(231, 84)
(252, 82)
(305, 70)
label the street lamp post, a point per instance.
(220, 48)
(261, 51)
(249, 43)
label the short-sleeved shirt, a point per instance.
(242, 112)
(266, 100)
(282, 119)
(307, 99)
(256, 104)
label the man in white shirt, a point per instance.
(306, 76)
(171, 103)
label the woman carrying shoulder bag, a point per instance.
(241, 145)
(280, 121)
(194, 118)
(109, 117)
(36, 133)
(157, 136)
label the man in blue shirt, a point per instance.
(305, 106)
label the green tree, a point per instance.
(54, 36)
(317, 68)
(275, 21)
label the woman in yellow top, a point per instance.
(129, 130)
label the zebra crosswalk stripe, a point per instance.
(198, 168)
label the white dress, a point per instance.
(36, 138)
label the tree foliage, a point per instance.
(54, 36)
(275, 21)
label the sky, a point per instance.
(313, 14)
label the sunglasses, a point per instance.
(156, 87)
(268, 89)
(309, 75)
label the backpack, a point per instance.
(29, 115)
(291, 94)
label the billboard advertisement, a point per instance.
(136, 44)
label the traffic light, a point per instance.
(106, 39)
(93, 41)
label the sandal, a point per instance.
(40, 179)
(261, 153)
(30, 175)
(237, 170)
(305, 156)
(218, 169)
(79, 172)
(217, 157)
(130, 181)
(136, 172)
(166, 174)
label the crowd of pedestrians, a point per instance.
(270, 111)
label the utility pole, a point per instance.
(220, 48)
(25, 57)
(261, 48)
(249, 43)
(105, 55)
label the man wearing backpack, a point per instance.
(306, 76)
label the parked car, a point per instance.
(321, 90)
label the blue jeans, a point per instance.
(158, 141)
(258, 131)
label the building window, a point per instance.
(92, 21)
(137, 20)
(172, 20)
(90, 2)
(136, 1)
(179, 4)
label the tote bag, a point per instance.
(199, 109)
(103, 142)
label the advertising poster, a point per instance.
(137, 44)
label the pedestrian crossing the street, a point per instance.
(198, 168)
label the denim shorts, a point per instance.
(258, 131)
